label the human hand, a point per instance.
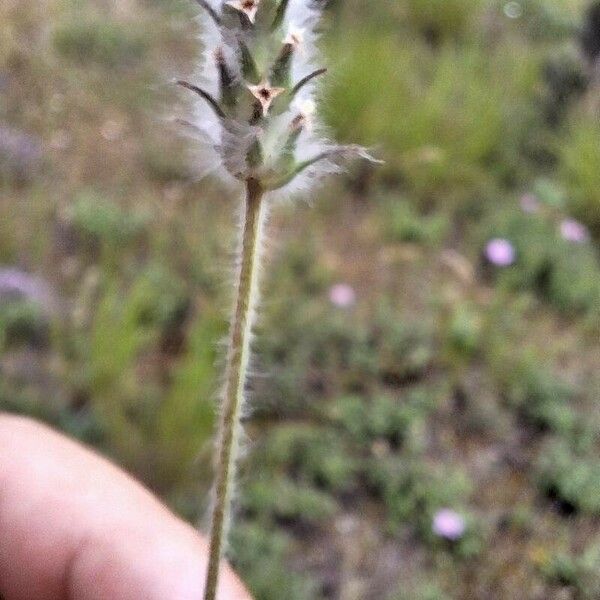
(75, 527)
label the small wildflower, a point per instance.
(342, 295)
(19, 285)
(574, 231)
(265, 93)
(500, 252)
(448, 524)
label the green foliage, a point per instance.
(412, 490)
(310, 454)
(404, 349)
(545, 21)
(571, 477)
(541, 398)
(261, 554)
(452, 20)
(579, 152)
(426, 110)
(394, 421)
(282, 499)
(564, 273)
(115, 342)
(104, 42)
(400, 222)
(23, 323)
(159, 298)
(99, 220)
(461, 334)
(185, 419)
(576, 571)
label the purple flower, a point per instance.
(530, 203)
(574, 231)
(448, 524)
(500, 252)
(18, 285)
(342, 295)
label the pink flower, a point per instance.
(500, 252)
(448, 524)
(574, 231)
(530, 203)
(342, 295)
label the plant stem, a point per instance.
(236, 374)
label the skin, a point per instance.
(75, 527)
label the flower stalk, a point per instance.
(256, 126)
(236, 376)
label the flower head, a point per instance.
(500, 252)
(265, 93)
(19, 285)
(256, 114)
(448, 524)
(574, 231)
(342, 295)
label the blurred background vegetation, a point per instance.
(429, 339)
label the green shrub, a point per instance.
(571, 478)
(282, 499)
(107, 43)
(159, 298)
(427, 109)
(186, 414)
(413, 490)
(438, 22)
(404, 349)
(99, 220)
(580, 169)
(564, 273)
(309, 453)
(23, 323)
(541, 398)
(393, 420)
(260, 556)
(579, 572)
(400, 222)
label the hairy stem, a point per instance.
(235, 377)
